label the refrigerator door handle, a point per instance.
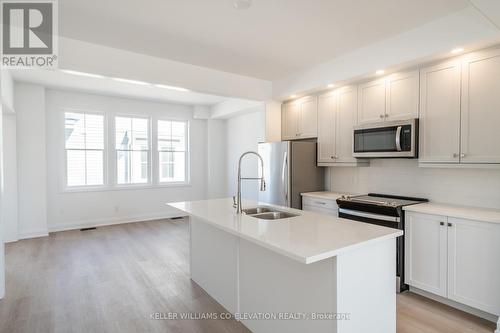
(285, 166)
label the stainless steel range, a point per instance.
(384, 210)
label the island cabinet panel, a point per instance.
(474, 264)
(271, 283)
(213, 263)
(426, 252)
(480, 132)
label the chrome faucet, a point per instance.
(237, 203)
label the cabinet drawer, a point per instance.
(321, 203)
(321, 210)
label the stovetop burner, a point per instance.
(382, 200)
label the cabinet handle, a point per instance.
(450, 225)
(381, 116)
(332, 157)
(455, 155)
(336, 157)
(386, 115)
(441, 223)
(462, 155)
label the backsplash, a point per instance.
(471, 187)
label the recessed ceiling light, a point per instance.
(293, 96)
(67, 71)
(457, 50)
(119, 79)
(242, 4)
(331, 85)
(380, 72)
(164, 86)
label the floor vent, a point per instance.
(87, 229)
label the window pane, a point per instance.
(94, 131)
(132, 133)
(172, 166)
(94, 162)
(140, 134)
(123, 127)
(74, 128)
(75, 167)
(164, 135)
(130, 168)
(178, 136)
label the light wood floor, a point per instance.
(112, 279)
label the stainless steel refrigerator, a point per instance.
(289, 170)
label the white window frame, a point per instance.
(64, 181)
(150, 181)
(187, 164)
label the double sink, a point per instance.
(267, 213)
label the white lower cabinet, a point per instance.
(474, 264)
(454, 258)
(320, 205)
(425, 249)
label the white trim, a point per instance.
(35, 233)
(456, 305)
(114, 220)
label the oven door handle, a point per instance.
(370, 215)
(398, 138)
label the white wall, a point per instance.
(244, 133)
(216, 159)
(2, 255)
(29, 102)
(74, 210)
(9, 209)
(472, 187)
(7, 91)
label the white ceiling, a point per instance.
(107, 86)
(270, 40)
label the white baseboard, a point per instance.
(456, 305)
(113, 221)
(35, 233)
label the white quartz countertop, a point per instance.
(324, 195)
(307, 238)
(463, 212)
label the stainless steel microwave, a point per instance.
(390, 139)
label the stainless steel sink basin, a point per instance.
(257, 210)
(276, 215)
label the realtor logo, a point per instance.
(28, 33)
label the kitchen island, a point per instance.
(308, 273)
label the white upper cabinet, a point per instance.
(402, 96)
(473, 249)
(426, 252)
(371, 102)
(308, 121)
(290, 120)
(394, 97)
(327, 124)
(337, 114)
(346, 120)
(440, 113)
(300, 119)
(480, 128)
